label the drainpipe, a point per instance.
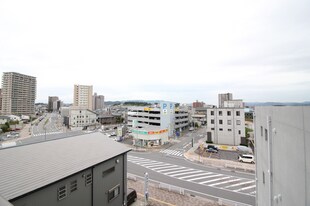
(270, 171)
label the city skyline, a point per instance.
(175, 51)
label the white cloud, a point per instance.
(177, 47)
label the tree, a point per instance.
(196, 124)
(5, 127)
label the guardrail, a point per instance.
(180, 190)
(171, 188)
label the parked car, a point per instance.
(131, 196)
(211, 148)
(246, 158)
(191, 129)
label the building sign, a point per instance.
(149, 132)
(147, 109)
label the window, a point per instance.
(266, 134)
(238, 122)
(228, 113)
(108, 171)
(73, 186)
(113, 193)
(229, 130)
(212, 121)
(212, 128)
(239, 131)
(220, 121)
(238, 113)
(62, 192)
(220, 113)
(228, 122)
(212, 113)
(263, 177)
(220, 129)
(88, 179)
(261, 131)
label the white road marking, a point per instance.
(225, 182)
(245, 188)
(208, 173)
(242, 183)
(204, 177)
(214, 180)
(186, 173)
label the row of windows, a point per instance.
(229, 130)
(73, 186)
(238, 122)
(262, 133)
(220, 113)
(62, 190)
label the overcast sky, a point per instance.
(180, 51)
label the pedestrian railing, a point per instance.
(171, 188)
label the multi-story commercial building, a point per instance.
(282, 140)
(85, 170)
(50, 104)
(98, 102)
(224, 97)
(225, 125)
(80, 118)
(153, 125)
(18, 93)
(83, 96)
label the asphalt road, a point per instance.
(172, 168)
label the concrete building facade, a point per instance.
(18, 94)
(83, 96)
(0, 101)
(86, 170)
(80, 118)
(224, 97)
(50, 104)
(98, 102)
(225, 125)
(282, 139)
(153, 125)
(198, 104)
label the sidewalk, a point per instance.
(161, 197)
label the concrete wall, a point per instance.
(282, 147)
(94, 194)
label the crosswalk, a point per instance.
(172, 152)
(47, 133)
(211, 179)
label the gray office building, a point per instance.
(282, 139)
(86, 170)
(18, 93)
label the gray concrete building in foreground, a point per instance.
(282, 139)
(86, 170)
(18, 93)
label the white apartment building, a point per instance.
(282, 140)
(83, 96)
(152, 126)
(80, 118)
(18, 93)
(225, 125)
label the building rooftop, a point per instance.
(30, 167)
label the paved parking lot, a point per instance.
(222, 154)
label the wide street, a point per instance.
(170, 167)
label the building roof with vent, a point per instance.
(30, 167)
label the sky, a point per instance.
(172, 50)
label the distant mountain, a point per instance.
(123, 101)
(252, 104)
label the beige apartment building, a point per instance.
(18, 93)
(83, 96)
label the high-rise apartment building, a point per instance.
(282, 156)
(223, 98)
(0, 101)
(18, 93)
(51, 100)
(98, 102)
(83, 96)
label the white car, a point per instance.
(246, 158)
